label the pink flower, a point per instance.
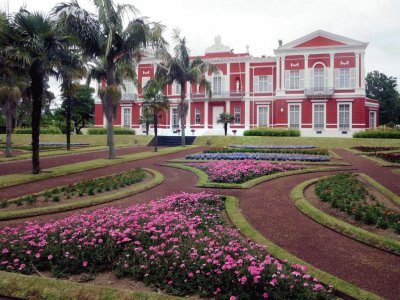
(85, 263)
(232, 298)
(5, 250)
(243, 280)
(190, 274)
(37, 255)
(265, 295)
(273, 282)
(50, 257)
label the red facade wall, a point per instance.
(193, 107)
(319, 42)
(98, 114)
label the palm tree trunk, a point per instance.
(110, 138)
(155, 133)
(9, 120)
(147, 128)
(37, 91)
(110, 108)
(182, 114)
(68, 113)
(226, 128)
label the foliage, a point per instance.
(345, 192)
(43, 130)
(87, 187)
(379, 133)
(259, 156)
(390, 157)
(272, 132)
(244, 170)
(273, 146)
(117, 131)
(179, 244)
(225, 118)
(268, 150)
(373, 149)
(383, 88)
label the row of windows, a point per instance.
(197, 116)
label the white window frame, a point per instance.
(123, 119)
(263, 84)
(237, 115)
(217, 86)
(145, 79)
(258, 115)
(176, 88)
(289, 114)
(319, 79)
(350, 116)
(342, 83)
(176, 125)
(197, 113)
(373, 112)
(313, 116)
(294, 79)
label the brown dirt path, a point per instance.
(21, 166)
(383, 175)
(269, 209)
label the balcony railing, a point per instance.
(319, 91)
(221, 94)
(129, 96)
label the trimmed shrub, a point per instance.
(272, 132)
(117, 131)
(379, 133)
(43, 130)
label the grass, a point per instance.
(359, 234)
(396, 171)
(35, 288)
(20, 178)
(320, 142)
(388, 193)
(235, 215)
(157, 179)
(204, 182)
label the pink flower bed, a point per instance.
(179, 244)
(238, 171)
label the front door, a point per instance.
(217, 110)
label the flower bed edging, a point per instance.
(388, 193)
(30, 287)
(239, 221)
(203, 177)
(157, 179)
(354, 232)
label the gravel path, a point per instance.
(269, 209)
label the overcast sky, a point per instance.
(260, 23)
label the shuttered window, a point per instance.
(294, 116)
(319, 117)
(263, 116)
(345, 78)
(237, 115)
(344, 117)
(197, 115)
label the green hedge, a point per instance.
(117, 131)
(379, 133)
(272, 132)
(43, 130)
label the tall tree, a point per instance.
(225, 118)
(181, 69)
(383, 88)
(155, 102)
(35, 42)
(117, 47)
(146, 118)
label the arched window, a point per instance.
(319, 77)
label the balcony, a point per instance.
(129, 96)
(319, 91)
(217, 95)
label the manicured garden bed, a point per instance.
(81, 189)
(390, 157)
(259, 156)
(261, 150)
(241, 171)
(345, 192)
(374, 149)
(379, 133)
(179, 244)
(273, 146)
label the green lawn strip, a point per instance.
(38, 288)
(157, 179)
(328, 163)
(204, 182)
(239, 221)
(359, 234)
(396, 171)
(334, 155)
(388, 193)
(15, 179)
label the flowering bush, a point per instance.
(273, 146)
(373, 149)
(179, 244)
(390, 157)
(238, 172)
(259, 156)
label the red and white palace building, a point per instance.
(315, 83)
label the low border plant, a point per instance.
(117, 131)
(272, 132)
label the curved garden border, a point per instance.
(239, 221)
(157, 179)
(342, 227)
(203, 177)
(30, 287)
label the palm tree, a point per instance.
(225, 118)
(35, 42)
(155, 102)
(146, 118)
(116, 48)
(181, 69)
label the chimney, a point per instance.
(280, 42)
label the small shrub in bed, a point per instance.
(43, 130)
(117, 131)
(345, 192)
(379, 133)
(390, 157)
(272, 132)
(374, 149)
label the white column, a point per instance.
(205, 113)
(188, 121)
(331, 70)
(278, 73)
(306, 72)
(228, 106)
(247, 113)
(247, 78)
(357, 56)
(282, 72)
(362, 71)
